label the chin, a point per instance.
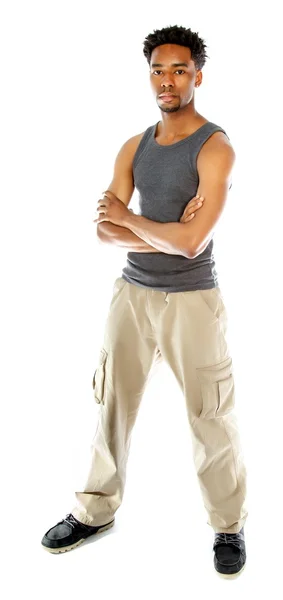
(169, 109)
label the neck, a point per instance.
(178, 122)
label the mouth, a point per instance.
(167, 97)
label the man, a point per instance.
(167, 304)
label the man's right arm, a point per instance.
(122, 185)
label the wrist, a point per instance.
(130, 219)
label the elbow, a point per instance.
(198, 248)
(195, 248)
(191, 252)
(190, 247)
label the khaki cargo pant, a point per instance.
(187, 330)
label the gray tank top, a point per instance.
(166, 178)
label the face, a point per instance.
(173, 71)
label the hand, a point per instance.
(193, 205)
(110, 208)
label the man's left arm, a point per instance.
(215, 163)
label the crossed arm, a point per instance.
(215, 163)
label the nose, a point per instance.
(168, 80)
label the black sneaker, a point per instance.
(69, 533)
(230, 553)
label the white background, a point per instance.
(75, 87)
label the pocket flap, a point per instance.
(217, 389)
(216, 372)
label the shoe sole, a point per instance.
(72, 546)
(230, 575)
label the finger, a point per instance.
(189, 218)
(110, 195)
(101, 219)
(193, 206)
(196, 200)
(101, 213)
(186, 219)
(190, 211)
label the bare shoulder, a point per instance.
(216, 153)
(125, 156)
(131, 145)
(218, 144)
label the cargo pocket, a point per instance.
(98, 381)
(217, 389)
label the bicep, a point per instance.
(122, 184)
(215, 166)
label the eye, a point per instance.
(158, 71)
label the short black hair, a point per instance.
(177, 35)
